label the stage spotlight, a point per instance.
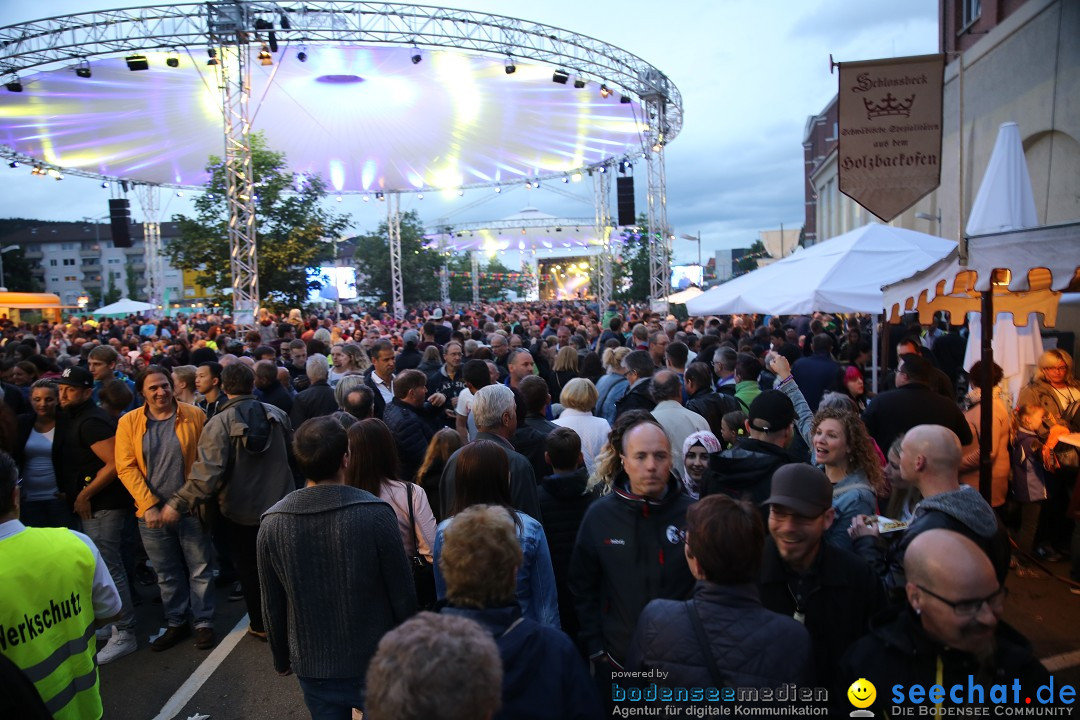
(566, 178)
(510, 68)
(415, 57)
(380, 196)
(14, 85)
(576, 177)
(536, 184)
(419, 196)
(339, 198)
(498, 190)
(172, 61)
(104, 185)
(460, 193)
(367, 198)
(179, 193)
(264, 56)
(560, 76)
(13, 164)
(137, 62)
(604, 91)
(83, 70)
(579, 83)
(301, 56)
(624, 99)
(212, 54)
(601, 169)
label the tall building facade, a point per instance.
(1020, 63)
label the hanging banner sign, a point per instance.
(890, 131)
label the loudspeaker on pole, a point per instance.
(624, 189)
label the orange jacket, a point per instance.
(130, 463)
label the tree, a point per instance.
(748, 262)
(291, 229)
(18, 276)
(630, 268)
(419, 266)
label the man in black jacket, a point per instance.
(629, 550)
(912, 403)
(745, 470)
(639, 369)
(563, 502)
(404, 416)
(704, 400)
(948, 634)
(831, 591)
(318, 399)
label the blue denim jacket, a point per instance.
(858, 500)
(536, 593)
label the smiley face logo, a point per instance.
(862, 693)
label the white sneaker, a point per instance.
(106, 632)
(121, 644)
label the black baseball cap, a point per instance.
(76, 377)
(801, 487)
(771, 411)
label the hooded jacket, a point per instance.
(629, 551)
(962, 510)
(563, 502)
(242, 459)
(745, 471)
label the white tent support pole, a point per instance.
(444, 271)
(393, 224)
(874, 353)
(659, 243)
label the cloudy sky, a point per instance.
(750, 72)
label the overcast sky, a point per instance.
(750, 73)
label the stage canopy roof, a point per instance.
(529, 231)
(385, 98)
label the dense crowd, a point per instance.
(568, 495)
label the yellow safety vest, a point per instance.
(47, 618)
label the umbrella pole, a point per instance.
(986, 404)
(874, 352)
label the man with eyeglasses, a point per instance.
(948, 633)
(831, 591)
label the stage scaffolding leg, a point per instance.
(149, 197)
(235, 85)
(444, 271)
(659, 234)
(393, 222)
(476, 278)
(602, 188)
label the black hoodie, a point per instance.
(745, 471)
(563, 502)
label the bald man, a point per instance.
(948, 633)
(930, 458)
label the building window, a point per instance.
(69, 261)
(70, 278)
(970, 11)
(52, 263)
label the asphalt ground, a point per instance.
(244, 685)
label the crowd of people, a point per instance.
(529, 503)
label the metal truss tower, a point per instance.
(475, 278)
(230, 29)
(149, 197)
(602, 187)
(393, 223)
(659, 235)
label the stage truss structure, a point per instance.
(231, 29)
